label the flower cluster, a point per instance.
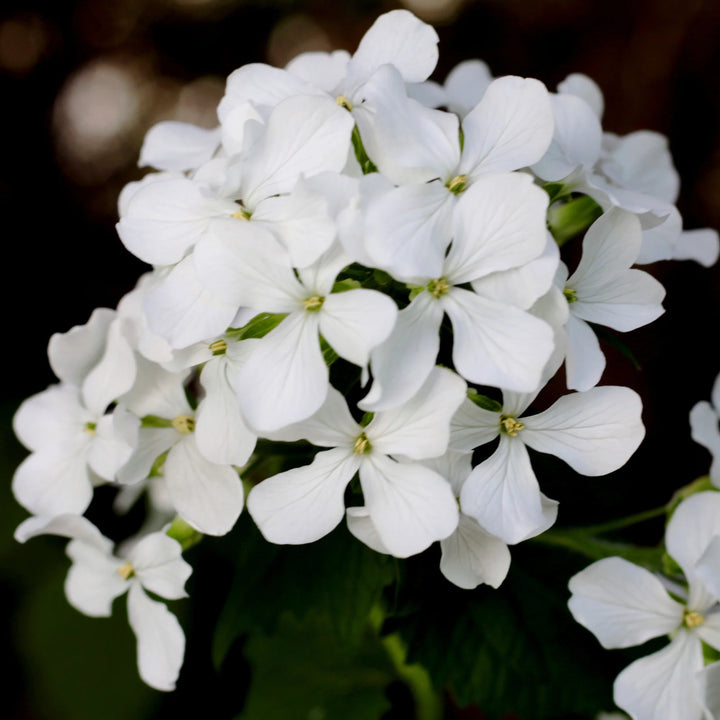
(368, 262)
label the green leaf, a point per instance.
(336, 576)
(258, 327)
(512, 651)
(301, 672)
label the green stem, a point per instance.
(622, 522)
(428, 703)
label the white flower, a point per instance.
(625, 605)
(595, 432)
(410, 506)
(605, 290)
(97, 577)
(498, 226)
(704, 428)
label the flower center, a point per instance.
(314, 303)
(570, 295)
(510, 426)
(362, 445)
(692, 619)
(438, 288)
(342, 101)
(241, 213)
(184, 424)
(126, 571)
(457, 184)
(90, 428)
(218, 347)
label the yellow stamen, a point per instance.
(218, 347)
(510, 426)
(314, 303)
(90, 428)
(438, 288)
(184, 424)
(126, 571)
(692, 619)
(241, 214)
(362, 445)
(570, 295)
(457, 184)
(342, 101)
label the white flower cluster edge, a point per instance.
(348, 208)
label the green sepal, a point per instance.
(415, 290)
(258, 327)
(186, 535)
(154, 421)
(366, 164)
(554, 190)
(610, 338)
(346, 284)
(156, 469)
(569, 217)
(701, 484)
(710, 654)
(366, 418)
(483, 401)
(329, 355)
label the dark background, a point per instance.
(80, 83)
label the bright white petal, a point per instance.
(701, 245)
(158, 565)
(108, 450)
(178, 146)
(403, 362)
(586, 88)
(356, 321)
(704, 430)
(207, 496)
(420, 428)
(360, 524)
(93, 581)
(503, 495)
(622, 604)
(75, 527)
(303, 504)
(400, 39)
(465, 85)
(322, 69)
(160, 640)
(410, 505)
(472, 426)
(158, 392)
(152, 443)
(585, 360)
(595, 432)
(471, 556)
(220, 430)
(496, 344)
(663, 686)
(285, 379)
(510, 128)
(499, 224)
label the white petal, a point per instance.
(93, 581)
(401, 39)
(510, 128)
(182, 310)
(420, 428)
(403, 362)
(496, 344)
(455, 466)
(74, 353)
(586, 88)
(178, 146)
(285, 379)
(704, 430)
(663, 686)
(499, 224)
(689, 532)
(244, 265)
(54, 480)
(595, 432)
(220, 430)
(576, 141)
(503, 495)
(360, 524)
(158, 565)
(701, 245)
(75, 527)
(304, 135)
(165, 219)
(622, 604)
(53, 416)
(108, 450)
(472, 426)
(465, 85)
(410, 505)
(160, 640)
(356, 321)
(207, 496)
(152, 443)
(158, 392)
(322, 69)
(303, 504)
(585, 361)
(409, 229)
(471, 556)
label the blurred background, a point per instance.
(81, 82)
